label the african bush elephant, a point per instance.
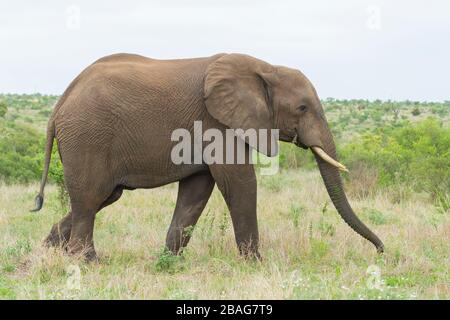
(113, 127)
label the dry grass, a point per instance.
(309, 253)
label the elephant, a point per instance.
(113, 128)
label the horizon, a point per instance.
(326, 99)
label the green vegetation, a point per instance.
(23, 120)
(21, 152)
(417, 155)
(398, 154)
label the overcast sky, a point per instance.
(349, 48)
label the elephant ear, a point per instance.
(237, 93)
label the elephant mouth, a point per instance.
(321, 153)
(297, 142)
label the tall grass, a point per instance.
(308, 251)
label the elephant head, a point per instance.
(244, 92)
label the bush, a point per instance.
(21, 149)
(415, 111)
(3, 109)
(294, 157)
(418, 155)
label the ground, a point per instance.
(308, 251)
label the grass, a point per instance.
(308, 251)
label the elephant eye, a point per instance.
(302, 108)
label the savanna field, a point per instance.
(398, 154)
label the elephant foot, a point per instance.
(91, 256)
(60, 233)
(173, 251)
(87, 252)
(249, 250)
(257, 256)
(252, 256)
(57, 238)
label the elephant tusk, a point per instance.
(321, 153)
(294, 140)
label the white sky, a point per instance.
(348, 48)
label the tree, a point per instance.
(3, 109)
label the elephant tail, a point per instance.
(39, 200)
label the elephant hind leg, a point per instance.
(60, 232)
(81, 234)
(193, 194)
(115, 195)
(85, 206)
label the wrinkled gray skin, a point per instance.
(113, 127)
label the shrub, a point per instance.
(21, 149)
(3, 109)
(363, 180)
(415, 154)
(292, 156)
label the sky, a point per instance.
(352, 49)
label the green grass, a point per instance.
(308, 251)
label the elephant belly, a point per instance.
(89, 158)
(141, 156)
(151, 166)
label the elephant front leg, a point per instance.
(193, 194)
(237, 184)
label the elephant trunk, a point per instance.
(333, 183)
